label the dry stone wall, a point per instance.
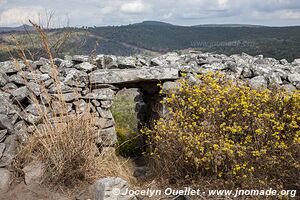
(96, 81)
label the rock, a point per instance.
(142, 61)
(106, 189)
(46, 69)
(42, 61)
(100, 86)
(231, 65)
(107, 137)
(2, 148)
(289, 88)
(172, 58)
(109, 62)
(17, 78)
(3, 79)
(76, 78)
(10, 86)
(4, 180)
(10, 150)
(105, 113)
(171, 86)
(59, 108)
(6, 107)
(34, 88)
(296, 62)
(47, 83)
(294, 79)
(81, 106)
(36, 109)
(284, 62)
(106, 104)
(121, 76)
(33, 172)
(20, 94)
(68, 97)
(3, 134)
(262, 61)
(60, 88)
(20, 129)
(5, 123)
(30, 118)
(126, 62)
(101, 94)
(261, 70)
(96, 103)
(258, 82)
(10, 67)
(66, 64)
(158, 62)
(274, 78)
(110, 188)
(57, 61)
(85, 66)
(103, 123)
(80, 58)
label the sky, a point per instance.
(120, 12)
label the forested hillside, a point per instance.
(157, 37)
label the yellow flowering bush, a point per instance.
(224, 129)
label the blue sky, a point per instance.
(181, 12)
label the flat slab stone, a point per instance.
(121, 76)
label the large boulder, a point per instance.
(33, 172)
(121, 76)
(5, 179)
(10, 151)
(111, 188)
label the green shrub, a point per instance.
(125, 117)
(127, 143)
(226, 130)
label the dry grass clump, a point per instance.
(227, 131)
(66, 147)
(68, 150)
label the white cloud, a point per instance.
(279, 14)
(183, 12)
(167, 15)
(20, 15)
(135, 7)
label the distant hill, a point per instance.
(152, 23)
(278, 42)
(154, 37)
(230, 25)
(16, 29)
